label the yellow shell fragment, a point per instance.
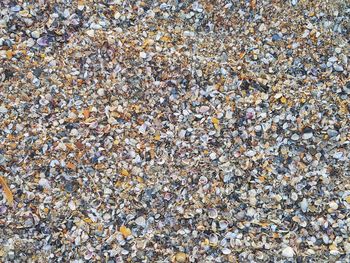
(7, 191)
(157, 137)
(125, 231)
(180, 257)
(215, 122)
(124, 172)
(347, 199)
(283, 100)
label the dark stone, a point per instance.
(307, 130)
(8, 74)
(69, 186)
(37, 72)
(276, 37)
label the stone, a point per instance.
(338, 67)
(35, 34)
(226, 251)
(140, 221)
(288, 252)
(307, 136)
(332, 133)
(101, 92)
(262, 27)
(304, 205)
(276, 37)
(295, 137)
(143, 55)
(3, 109)
(180, 257)
(333, 205)
(44, 183)
(203, 109)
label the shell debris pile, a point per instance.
(174, 131)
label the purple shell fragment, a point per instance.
(43, 41)
(3, 210)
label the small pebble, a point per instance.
(304, 205)
(332, 133)
(333, 205)
(140, 221)
(250, 114)
(35, 34)
(262, 27)
(294, 2)
(226, 251)
(143, 55)
(43, 41)
(213, 156)
(101, 92)
(295, 137)
(180, 257)
(338, 67)
(307, 136)
(276, 37)
(337, 50)
(288, 252)
(203, 109)
(212, 213)
(44, 183)
(3, 109)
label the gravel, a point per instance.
(174, 131)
